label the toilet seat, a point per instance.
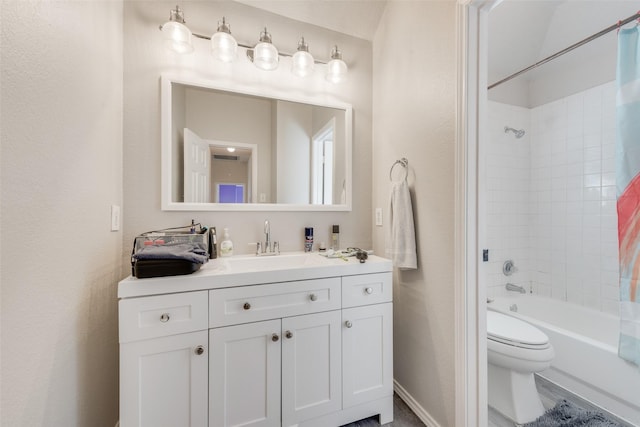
(516, 344)
(511, 331)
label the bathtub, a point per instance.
(586, 347)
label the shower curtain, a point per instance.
(628, 190)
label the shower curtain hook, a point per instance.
(619, 23)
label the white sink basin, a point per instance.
(274, 262)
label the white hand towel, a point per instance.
(401, 242)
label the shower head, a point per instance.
(518, 133)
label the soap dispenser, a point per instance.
(226, 246)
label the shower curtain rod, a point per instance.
(615, 26)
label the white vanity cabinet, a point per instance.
(367, 338)
(163, 360)
(314, 352)
(275, 372)
(245, 375)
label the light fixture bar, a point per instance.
(246, 46)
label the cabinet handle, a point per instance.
(275, 337)
(288, 334)
(348, 324)
(246, 306)
(369, 290)
(199, 350)
(164, 317)
(313, 297)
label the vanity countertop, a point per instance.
(245, 270)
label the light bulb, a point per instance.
(265, 54)
(302, 62)
(176, 35)
(223, 46)
(336, 68)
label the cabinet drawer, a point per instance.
(156, 316)
(366, 289)
(261, 302)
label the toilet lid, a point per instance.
(510, 330)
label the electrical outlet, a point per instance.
(115, 217)
(379, 217)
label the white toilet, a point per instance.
(516, 350)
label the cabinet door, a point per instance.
(163, 381)
(311, 366)
(244, 387)
(367, 353)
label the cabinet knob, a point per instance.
(275, 337)
(288, 334)
(246, 306)
(369, 290)
(164, 317)
(348, 324)
(199, 350)
(313, 297)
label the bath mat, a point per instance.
(566, 414)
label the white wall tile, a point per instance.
(551, 198)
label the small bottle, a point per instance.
(226, 246)
(213, 243)
(335, 238)
(308, 239)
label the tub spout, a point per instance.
(515, 288)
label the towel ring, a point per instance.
(405, 165)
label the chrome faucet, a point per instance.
(267, 235)
(515, 288)
(269, 248)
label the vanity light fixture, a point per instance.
(302, 61)
(336, 68)
(223, 45)
(176, 35)
(265, 55)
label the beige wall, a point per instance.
(145, 60)
(61, 162)
(414, 117)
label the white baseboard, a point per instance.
(424, 416)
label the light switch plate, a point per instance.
(379, 217)
(115, 218)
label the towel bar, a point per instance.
(404, 163)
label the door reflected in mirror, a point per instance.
(231, 150)
(218, 171)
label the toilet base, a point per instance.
(514, 394)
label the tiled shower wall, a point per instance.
(508, 210)
(567, 217)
